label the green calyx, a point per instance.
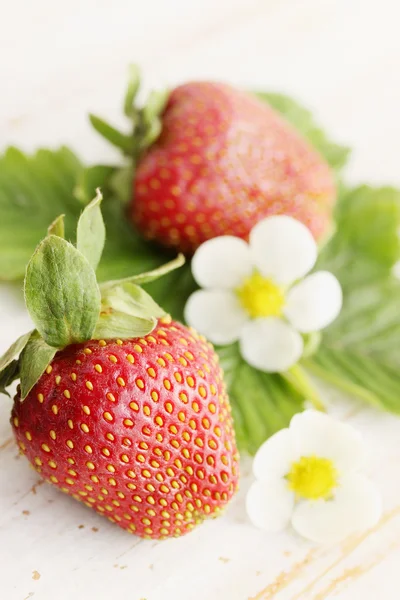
(145, 121)
(68, 306)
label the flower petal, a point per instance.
(270, 344)
(223, 262)
(274, 457)
(269, 505)
(317, 434)
(357, 506)
(314, 303)
(216, 314)
(283, 248)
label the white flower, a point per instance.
(308, 475)
(253, 293)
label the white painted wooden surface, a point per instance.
(57, 61)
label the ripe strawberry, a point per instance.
(223, 161)
(139, 429)
(118, 406)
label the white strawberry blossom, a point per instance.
(260, 294)
(308, 475)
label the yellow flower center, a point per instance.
(312, 477)
(261, 297)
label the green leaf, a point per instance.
(33, 192)
(150, 276)
(35, 358)
(369, 322)
(121, 184)
(14, 350)
(360, 351)
(145, 123)
(148, 138)
(91, 178)
(173, 291)
(262, 403)
(8, 375)
(302, 119)
(125, 251)
(132, 90)
(114, 324)
(91, 232)
(368, 220)
(149, 125)
(61, 293)
(112, 135)
(155, 105)
(57, 227)
(132, 300)
(359, 375)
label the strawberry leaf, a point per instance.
(9, 363)
(35, 358)
(61, 293)
(368, 221)
(57, 227)
(150, 275)
(8, 376)
(262, 403)
(91, 232)
(111, 134)
(360, 351)
(89, 180)
(125, 251)
(145, 121)
(173, 291)
(33, 192)
(356, 373)
(115, 324)
(131, 90)
(14, 350)
(131, 300)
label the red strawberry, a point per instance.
(140, 430)
(118, 406)
(223, 161)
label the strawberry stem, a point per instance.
(298, 378)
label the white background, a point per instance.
(57, 62)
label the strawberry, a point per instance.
(223, 160)
(138, 427)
